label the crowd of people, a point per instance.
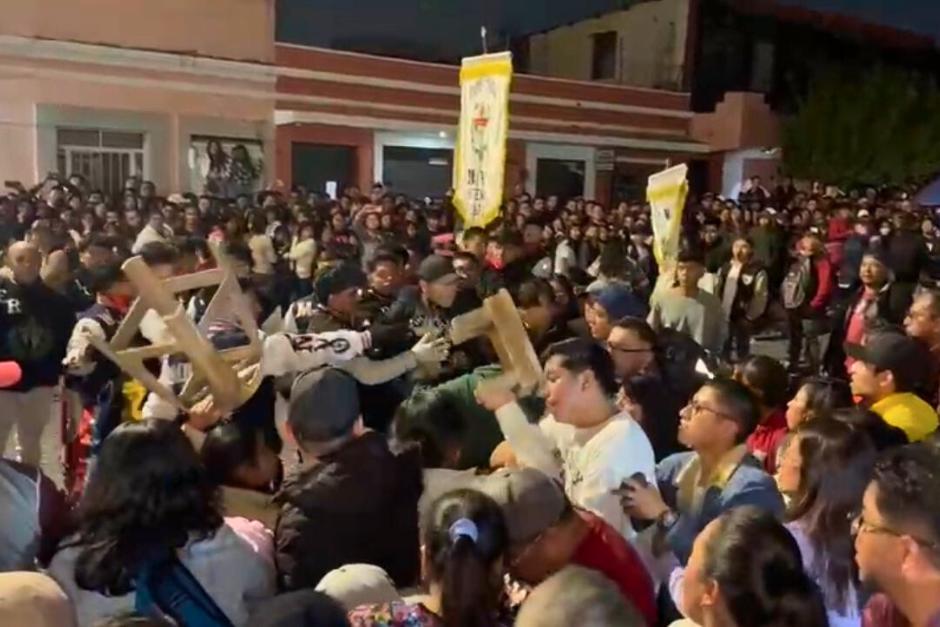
(668, 470)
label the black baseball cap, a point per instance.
(889, 349)
(324, 405)
(435, 268)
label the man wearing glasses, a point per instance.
(718, 474)
(656, 379)
(897, 538)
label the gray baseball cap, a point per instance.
(324, 405)
(531, 501)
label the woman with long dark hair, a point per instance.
(565, 299)
(215, 168)
(825, 469)
(818, 397)
(745, 571)
(464, 542)
(149, 524)
(242, 172)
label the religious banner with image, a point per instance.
(666, 192)
(480, 154)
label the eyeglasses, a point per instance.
(859, 525)
(696, 407)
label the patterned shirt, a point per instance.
(394, 614)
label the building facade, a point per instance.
(644, 46)
(347, 118)
(135, 88)
(745, 65)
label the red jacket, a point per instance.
(824, 282)
(764, 443)
(607, 552)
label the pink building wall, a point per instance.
(741, 120)
(229, 29)
(170, 69)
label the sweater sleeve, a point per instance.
(79, 357)
(284, 353)
(530, 443)
(373, 372)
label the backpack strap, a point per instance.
(167, 588)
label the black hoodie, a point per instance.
(356, 505)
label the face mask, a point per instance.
(885, 232)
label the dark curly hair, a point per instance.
(147, 496)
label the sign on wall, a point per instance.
(480, 153)
(225, 166)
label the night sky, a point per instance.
(448, 29)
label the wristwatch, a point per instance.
(666, 520)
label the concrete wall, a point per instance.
(17, 132)
(31, 109)
(743, 164)
(652, 39)
(232, 29)
(741, 120)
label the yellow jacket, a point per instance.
(909, 413)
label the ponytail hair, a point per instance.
(759, 571)
(464, 539)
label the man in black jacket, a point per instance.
(907, 253)
(353, 500)
(35, 324)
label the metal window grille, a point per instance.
(105, 158)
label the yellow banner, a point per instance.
(480, 153)
(666, 194)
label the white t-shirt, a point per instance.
(592, 463)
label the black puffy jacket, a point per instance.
(356, 505)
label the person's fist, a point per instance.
(431, 350)
(204, 415)
(493, 394)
